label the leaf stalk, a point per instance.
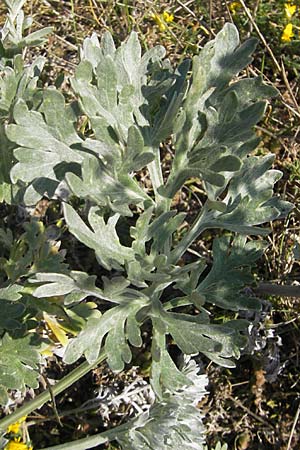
(45, 396)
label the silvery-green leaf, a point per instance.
(153, 266)
(91, 100)
(18, 82)
(102, 237)
(164, 123)
(139, 232)
(36, 37)
(112, 86)
(173, 422)
(113, 323)
(251, 90)
(106, 71)
(136, 155)
(213, 142)
(19, 360)
(192, 334)
(231, 272)
(44, 141)
(249, 202)
(91, 50)
(56, 284)
(216, 119)
(162, 229)
(220, 60)
(77, 286)
(32, 253)
(187, 277)
(105, 188)
(10, 312)
(14, 8)
(128, 58)
(13, 32)
(164, 373)
(249, 198)
(193, 337)
(11, 293)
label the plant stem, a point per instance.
(176, 303)
(81, 444)
(277, 290)
(92, 441)
(155, 172)
(74, 19)
(197, 228)
(59, 387)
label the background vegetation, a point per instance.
(256, 405)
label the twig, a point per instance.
(240, 404)
(53, 10)
(261, 36)
(210, 13)
(191, 12)
(279, 67)
(93, 13)
(254, 15)
(280, 324)
(276, 289)
(52, 400)
(286, 82)
(60, 38)
(293, 428)
(73, 19)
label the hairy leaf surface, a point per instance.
(102, 238)
(231, 272)
(174, 422)
(45, 142)
(19, 360)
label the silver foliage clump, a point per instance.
(174, 422)
(132, 103)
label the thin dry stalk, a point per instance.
(279, 67)
(293, 428)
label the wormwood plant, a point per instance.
(93, 154)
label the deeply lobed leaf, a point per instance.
(19, 360)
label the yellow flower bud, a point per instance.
(287, 33)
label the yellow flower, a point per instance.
(162, 20)
(168, 17)
(17, 445)
(289, 10)
(15, 427)
(159, 22)
(287, 33)
(234, 6)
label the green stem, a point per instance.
(162, 203)
(176, 303)
(59, 387)
(81, 444)
(197, 228)
(92, 441)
